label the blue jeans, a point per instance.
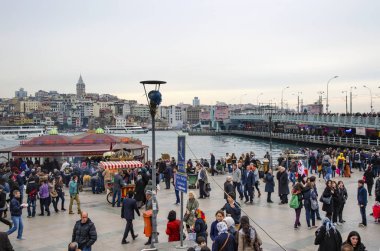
(86, 249)
(310, 214)
(17, 224)
(292, 177)
(177, 196)
(31, 204)
(118, 193)
(375, 171)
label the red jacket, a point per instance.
(172, 229)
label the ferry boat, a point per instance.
(135, 130)
(20, 132)
(114, 129)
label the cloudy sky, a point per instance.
(217, 50)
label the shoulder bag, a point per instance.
(225, 242)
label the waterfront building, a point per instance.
(316, 108)
(174, 116)
(27, 106)
(193, 114)
(120, 121)
(21, 93)
(141, 111)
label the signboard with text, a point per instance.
(181, 182)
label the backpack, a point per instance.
(294, 202)
(313, 200)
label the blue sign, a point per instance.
(181, 154)
(181, 182)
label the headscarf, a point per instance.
(222, 227)
(200, 214)
(328, 225)
(229, 221)
(301, 168)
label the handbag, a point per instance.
(208, 187)
(54, 194)
(294, 202)
(314, 204)
(186, 217)
(326, 200)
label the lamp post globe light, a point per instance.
(154, 99)
(327, 94)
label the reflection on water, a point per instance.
(201, 146)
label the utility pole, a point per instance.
(282, 97)
(346, 101)
(351, 87)
(327, 94)
(320, 93)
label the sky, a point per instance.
(217, 50)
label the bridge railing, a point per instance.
(313, 138)
(318, 119)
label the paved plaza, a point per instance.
(54, 232)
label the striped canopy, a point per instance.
(120, 164)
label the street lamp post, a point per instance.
(346, 101)
(351, 87)
(327, 94)
(282, 97)
(298, 101)
(370, 93)
(154, 99)
(258, 98)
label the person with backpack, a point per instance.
(310, 203)
(31, 191)
(340, 163)
(328, 237)
(247, 237)
(296, 203)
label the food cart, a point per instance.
(115, 166)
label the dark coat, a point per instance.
(15, 207)
(306, 197)
(129, 208)
(84, 234)
(328, 208)
(5, 243)
(212, 160)
(234, 212)
(283, 183)
(362, 196)
(200, 228)
(269, 183)
(369, 177)
(228, 188)
(221, 239)
(213, 230)
(328, 242)
(359, 247)
(248, 180)
(139, 190)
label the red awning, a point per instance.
(120, 164)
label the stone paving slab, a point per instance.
(54, 232)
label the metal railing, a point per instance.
(317, 119)
(343, 141)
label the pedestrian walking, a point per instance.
(74, 194)
(247, 237)
(202, 182)
(257, 179)
(128, 209)
(296, 203)
(212, 164)
(16, 215)
(61, 194)
(236, 179)
(310, 203)
(84, 233)
(248, 180)
(269, 185)
(228, 187)
(368, 178)
(362, 202)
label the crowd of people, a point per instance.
(27, 183)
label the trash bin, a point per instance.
(148, 222)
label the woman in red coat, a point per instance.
(173, 227)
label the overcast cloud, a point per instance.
(216, 50)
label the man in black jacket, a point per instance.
(128, 210)
(84, 233)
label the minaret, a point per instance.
(81, 88)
